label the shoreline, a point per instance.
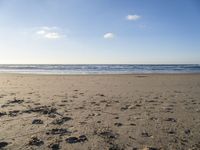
(114, 74)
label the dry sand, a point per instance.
(100, 112)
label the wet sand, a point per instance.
(97, 112)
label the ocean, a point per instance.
(99, 69)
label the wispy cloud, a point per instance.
(49, 32)
(133, 17)
(109, 35)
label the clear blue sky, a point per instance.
(99, 31)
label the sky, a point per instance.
(99, 32)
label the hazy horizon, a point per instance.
(99, 32)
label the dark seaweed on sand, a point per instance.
(42, 110)
(59, 131)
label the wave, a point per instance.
(100, 69)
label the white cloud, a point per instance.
(52, 35)
(133, 17)
(49, 32)
(109, 35)
(41, 32)
(49, 28)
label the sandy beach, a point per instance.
(100, 112)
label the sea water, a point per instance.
(99, 69)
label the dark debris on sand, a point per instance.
(171, 132)
(36, 141)
(145, 134)
(151, 148)
(102, 95)
(15, 101)
(3, 114)
(118, 124)
(3, 144)
(108, 135)
(13, 113)
(5, 105)
(42, 110)
(61, 120)
(73, 140)
(171, 119)
(125, 107)
(57, 131)
(37, 121)
(54, 146)
(187, 131)
(115, 147)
